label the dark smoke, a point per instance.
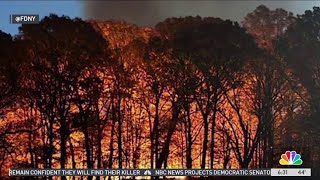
(150, 12)
(144, 13)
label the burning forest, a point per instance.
(191, 92)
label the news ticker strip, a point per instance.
(161, 172)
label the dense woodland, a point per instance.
(191, 92)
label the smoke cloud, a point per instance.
(150, 12)
(143, 13)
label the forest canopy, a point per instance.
(191, 92)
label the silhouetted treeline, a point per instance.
(191, 92)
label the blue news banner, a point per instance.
(161, 172)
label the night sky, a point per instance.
(144, 13)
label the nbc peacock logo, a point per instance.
(291, 158)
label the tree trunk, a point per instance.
(205, 141)
(99, 139)
(50, 152)
(63, 151)
(156, 129)
(151, 131)
(88, 149)
(111, 148)
(119, 140)
(99, 153)
(172, 126)
(74, 165)
(189, 141)
(213, 124)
